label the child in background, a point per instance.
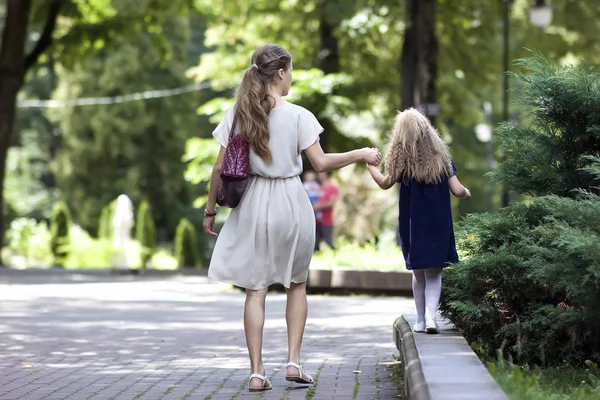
(419, 161)
(312, 187)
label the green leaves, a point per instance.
(549, 156)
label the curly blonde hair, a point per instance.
(416, 150)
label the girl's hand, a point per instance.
(467, 194)
(371, 156)
(209, 226)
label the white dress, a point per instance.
(270, 236)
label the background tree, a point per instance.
(133, 148)
(59, 231)
(145, 232)
(85, 27)
(186, 253)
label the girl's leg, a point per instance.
(295, 316)
(433, 290)
(418, 287)
(254, 321)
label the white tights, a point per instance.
(427, 287)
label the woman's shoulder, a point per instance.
(297, 110)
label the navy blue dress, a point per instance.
(425, 229)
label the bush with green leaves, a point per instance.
(530, 274)
(145, 232)
(28, 243)
(530, 279)
(185, 245)
(105, 229)
(59, 231)
(550, 155)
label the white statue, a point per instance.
(122, 223)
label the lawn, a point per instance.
(367, 257)
(552, 383)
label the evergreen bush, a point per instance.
(529, 282)
(550, 155)
(145, 232)
(60, 221)
(105, 222)
(185, 245)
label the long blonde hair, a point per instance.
(415, 150)
(253, 103)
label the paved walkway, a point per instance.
(90, 337)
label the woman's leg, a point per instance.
(295, 317)
(433, 290)
(254, 321)
(418, 287)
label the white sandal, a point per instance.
(300, 378)
(265, 386)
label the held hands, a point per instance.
(371, 156)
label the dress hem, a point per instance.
(250, 288)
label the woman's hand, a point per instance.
(371, 156)
(209, 226)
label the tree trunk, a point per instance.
(13, 66)
(12, 70)
(418, 63)
(329, 63)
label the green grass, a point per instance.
(367, 257)
(356, 381)
(553, 383)
(310, 394)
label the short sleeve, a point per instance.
(309, 130)
(221, 132)
(454, 170)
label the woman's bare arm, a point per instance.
(323, 162)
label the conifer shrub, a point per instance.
(145, 232)
(529, 280)
(60, 221)
(105, 223)
(186, 252)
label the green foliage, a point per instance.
(105, 230)
(59, 230)
(369, 257)
(530, 275)
(87, 252)
(145, 232)
(550, 155)
(28, 244)
(185, 245)
(134, 147)
(529, 280)
(555, 383)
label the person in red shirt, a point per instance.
(328, 195)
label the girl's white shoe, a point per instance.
(419, 327)
(431, 326)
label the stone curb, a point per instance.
(415, 387)
(390, 282)
(442, 366)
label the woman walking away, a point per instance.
(269, 237)
(419, 161)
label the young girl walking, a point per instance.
(419, 161)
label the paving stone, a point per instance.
(114, 337)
